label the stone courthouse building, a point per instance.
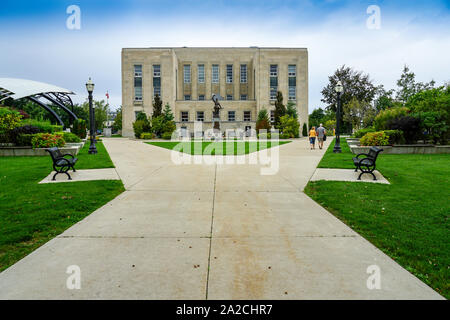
(246, 78)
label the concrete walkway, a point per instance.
(215, 231)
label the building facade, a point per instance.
(246, 78)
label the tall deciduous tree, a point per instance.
(359, 113)
(408, 87)
(356, 85)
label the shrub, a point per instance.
(395, 136)
(69, 137)
(140, 126)
(141, 116)
(24, 140)
(26, 129)
(147, 135)
(411, 127)
(263, 121)
(43, 126)
(378, 138)
(434, 125)
(381, 120)
(285, 135)
(79, 128)
(361, 133)
(9, 119)
(47, 140)
(290, 126)
(167, 135)
(305, 130)
(264, 135)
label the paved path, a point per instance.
(210, 231)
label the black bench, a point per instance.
(367, 164)
(60, 163)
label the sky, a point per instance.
(36, 43)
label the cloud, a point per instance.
(335, 34)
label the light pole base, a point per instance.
(92, 149)
(337, 149)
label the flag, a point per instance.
(107, 95)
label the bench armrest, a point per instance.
(68, 154)
(362, 154)
(64, 159)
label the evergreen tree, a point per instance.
(280, 109)
(157, 106)
(167, 113)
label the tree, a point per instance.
(289, 126)
(280, 109)
(291, 110)
(263, 121)
(117, 125)
(356, 85)
(157, 106)
(384, 99)
(316, 117)
(305, 130)
(101, 110)
(408, 87)
(359, 113)
(167, 113)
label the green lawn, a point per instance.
(31, 214)
(408, 220)
(218, 148)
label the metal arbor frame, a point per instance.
(35, 92)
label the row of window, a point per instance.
(201, 116)
(214, 73)
(201, 97)
(273, 79)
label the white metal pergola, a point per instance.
(33, 90)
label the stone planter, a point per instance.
(28, 151)
(404, 149)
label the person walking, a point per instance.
(312, 137)
(320, 132)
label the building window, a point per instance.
(274, 70)
(187, 97)
(229, 97)
(187, 73)
(201, 97)
(136, 113)
(292, 70)
(273, 81)
(231, 116)
(247, 116)
(215, 73)
(243, 97)
(201, 73)
(292, 74)
(200, 116)
(272, 116)
(138, 82)
(156, 80)
(243, 73)
(229, 73)
(184, 116)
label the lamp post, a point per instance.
(90, 89)
(337, 145)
